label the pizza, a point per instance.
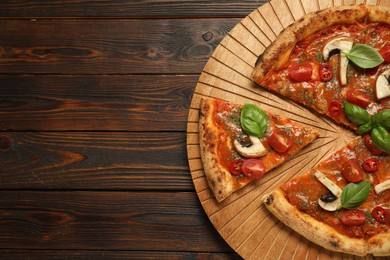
(330, 58)
(240, 143)
(341, 204)
(336, 62)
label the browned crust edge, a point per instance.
(278, 52)
(310, 228)
(219, 179)
(379, 245)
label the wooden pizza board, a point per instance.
(243, 222)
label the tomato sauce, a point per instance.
(304, 191)
(317, 94)
(227, 119)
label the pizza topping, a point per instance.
(371, 164)
(328, 202)
(380, 214)
(383, 85)
(358, 97)
(354, 194)
(256, 149)
(383, 186)
(325, 72)
(381, 138)
(334, 108)
(301, 71)
(253, 168)
(344, 45)
(370, 146)
(356, 114)
(353, 217)
(352, 171)
(279, 141)
(364, 56)
(385, 52)
(253, 120)
(235, 168)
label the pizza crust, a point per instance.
(379, 245)
(219, 179)
(312, 229)
(277, 54)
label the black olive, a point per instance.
(328, 198)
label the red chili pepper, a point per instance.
(380, 214)
(371, 164)
(235, 168)
(326, 72)
(334, 108)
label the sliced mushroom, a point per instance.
(383, 85)
(381, 187)
(255, 150)
(329, 204)
(343, 44)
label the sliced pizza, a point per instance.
(332, 58)
(343, 203)
(240, 143)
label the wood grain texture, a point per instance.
(106, 220)
(132, 9)
(241, 219)
(95, 103)
(104, 255)
(94, 161)
(123, 46)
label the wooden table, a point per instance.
(94, 100)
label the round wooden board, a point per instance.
(241, 219)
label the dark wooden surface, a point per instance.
(94, 99)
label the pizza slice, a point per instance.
(239, 144)
(332, 58)
(341, 204)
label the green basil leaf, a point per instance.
(381, 138)
(356, 114)
(382, 118)
(354, 194)
(364, 56)
(365, 128)
(253, 120)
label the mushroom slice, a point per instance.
(257, 148)
(343, 44)
(334, 204)
(383, 85)
(382, 186)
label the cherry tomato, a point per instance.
(253, 168)
(380, 214)
(326, 72)
(371, 164)
(334, 108)
(353, 217)
(236, 166)
(279, 141)
(352, 171)
(358, 97)
(370, 146)
(385, 52)
(301, 71)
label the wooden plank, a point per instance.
(94, 160)
(138, 221)
(89, 103)
(124, 8)
(122, 46)
(104, 255)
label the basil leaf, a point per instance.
(253, 120)
(365, 128)
(381, 138)
(356, 114)
(382, 118)
(364, 56)
(354, 194)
